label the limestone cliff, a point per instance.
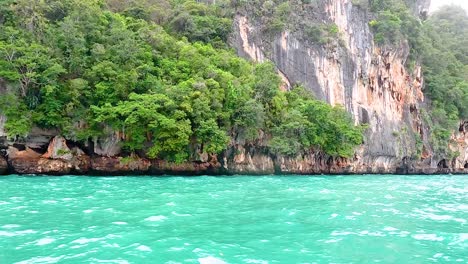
(371, 82)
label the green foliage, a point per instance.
(18, 117)
(149, 117)
(443, 49)
(307, 123)
(85, 66)
(393, 21)
(279, 18)
(194, 20)
(322, 33)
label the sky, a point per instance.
(438, 3)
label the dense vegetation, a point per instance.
(444, 53)
(160, 73)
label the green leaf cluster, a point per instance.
(83, 66)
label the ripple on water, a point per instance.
(83, 240)
(156, 218)
(429, 237)
(10, 226)
(144, 248)
(17, 233)
(45, 241)
(42, 260)
(244, 220)
(177, 214)
(120, 223)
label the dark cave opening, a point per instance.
(442, 164)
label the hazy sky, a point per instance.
(437, 3)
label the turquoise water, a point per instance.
(348, 219)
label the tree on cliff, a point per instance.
(114, 64)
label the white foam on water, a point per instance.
(17, 233)
(176, 214)
(144, 248)
(44, 241)
(10, 226)
(84, 240)
(42, 260)
(88, 211)
(156, 218)
(330, 241)
(6, 234)
(452, 190)
(49, 202)
(429, 237)
(112, 236)
(389, 228)
(463, 237)
(439, 217)
(113, 261)
(176, 249)
(120, 223)
(341, 233)
(212, 260)
(256, 261)
(460, 239)
(404, 233)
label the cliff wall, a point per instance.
(371, 82)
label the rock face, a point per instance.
(58, 160)
(242, 160)
(3, 166)
(119, 165)
(108, 145)
(460, 140)
(2, 126)
(371, 82)
(58, 149)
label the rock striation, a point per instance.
(371, 82)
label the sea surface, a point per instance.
(237, 219)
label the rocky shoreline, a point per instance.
(60, 159)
